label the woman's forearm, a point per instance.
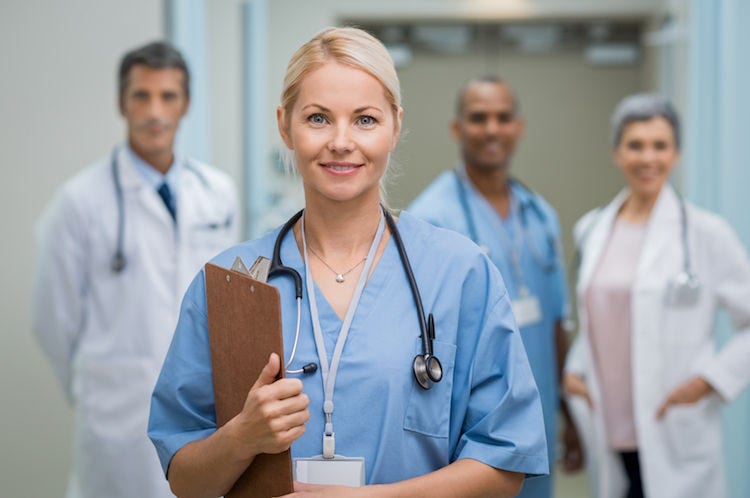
(466, 478)
(208, 467)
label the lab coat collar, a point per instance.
(134, 183)
(132, 177)
(665, 212)
(662, 230)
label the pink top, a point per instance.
(608, 305)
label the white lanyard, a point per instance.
(329, 376)
(513, 242)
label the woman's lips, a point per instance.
(339, 167)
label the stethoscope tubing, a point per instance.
(474, 236)
(119, 260)
(686, 263)
(427, 335)
(427, 328)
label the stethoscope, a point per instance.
(118, 260)
(426, 366)
(684, 288)
(547, 264)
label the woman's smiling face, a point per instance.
(646, 155)
(342, 130)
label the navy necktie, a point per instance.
(166, 195)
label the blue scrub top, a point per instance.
(541, 266)
(486, 407)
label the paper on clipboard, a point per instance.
(244, 326)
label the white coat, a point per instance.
(681, 454)
(106, 334)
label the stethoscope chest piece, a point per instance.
(427, 369)
(684, 290)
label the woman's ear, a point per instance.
(399, 118)
(281, 121)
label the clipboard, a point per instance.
(244, 328)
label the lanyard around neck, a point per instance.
(328, 374)
(511, 240)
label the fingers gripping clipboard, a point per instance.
(244, 328)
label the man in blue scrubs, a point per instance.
(520, 233)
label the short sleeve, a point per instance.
(504, 425)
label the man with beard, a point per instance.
(520, 233)
(116, 249)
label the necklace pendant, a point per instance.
(340, 278)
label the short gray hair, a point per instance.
(643, 107)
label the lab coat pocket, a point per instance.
(686, 428)
(210, 235)
(428, 410)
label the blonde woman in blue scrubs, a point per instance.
(475, 432)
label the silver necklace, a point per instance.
(339, 276)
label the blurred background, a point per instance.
(569, 61)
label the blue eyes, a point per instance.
(318, 119)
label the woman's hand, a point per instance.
(574, 385)
(686, 393)
(274, 413)
(304, 490)
(273, 416)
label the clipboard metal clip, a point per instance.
(259, 270)
(239, 266)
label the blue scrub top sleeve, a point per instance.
(504, 409)
(501, 424)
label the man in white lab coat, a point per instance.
(116, 249)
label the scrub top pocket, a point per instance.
(428, 410)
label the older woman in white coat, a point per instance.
(654, 269)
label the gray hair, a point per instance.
(643, 107)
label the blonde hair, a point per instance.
(351, 47)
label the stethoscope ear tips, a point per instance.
(427, 369)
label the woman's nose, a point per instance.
(341, 140)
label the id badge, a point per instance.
(526, 309)
(339, 470)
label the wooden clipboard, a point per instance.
(244, 328)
